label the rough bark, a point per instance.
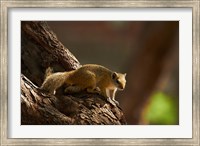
(41, 49)
(82, 108)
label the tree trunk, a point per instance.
(41, 49)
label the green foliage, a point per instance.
(162, 110)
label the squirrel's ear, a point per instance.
(125, 74)
(114, 75)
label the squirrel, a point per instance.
(90, 77)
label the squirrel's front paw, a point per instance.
(116, 102)
(111, 101)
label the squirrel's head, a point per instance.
(119, 80)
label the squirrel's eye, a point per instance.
(118, 82)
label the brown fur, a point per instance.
(92, 78)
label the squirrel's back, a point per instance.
(83, 74)
(97, 69)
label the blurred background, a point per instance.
(148, 51)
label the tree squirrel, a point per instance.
(90, 77)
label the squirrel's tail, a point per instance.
(48, 72)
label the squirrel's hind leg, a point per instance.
(73, 89)
(94, 90)
(76, 89)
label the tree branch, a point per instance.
(41, 49)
